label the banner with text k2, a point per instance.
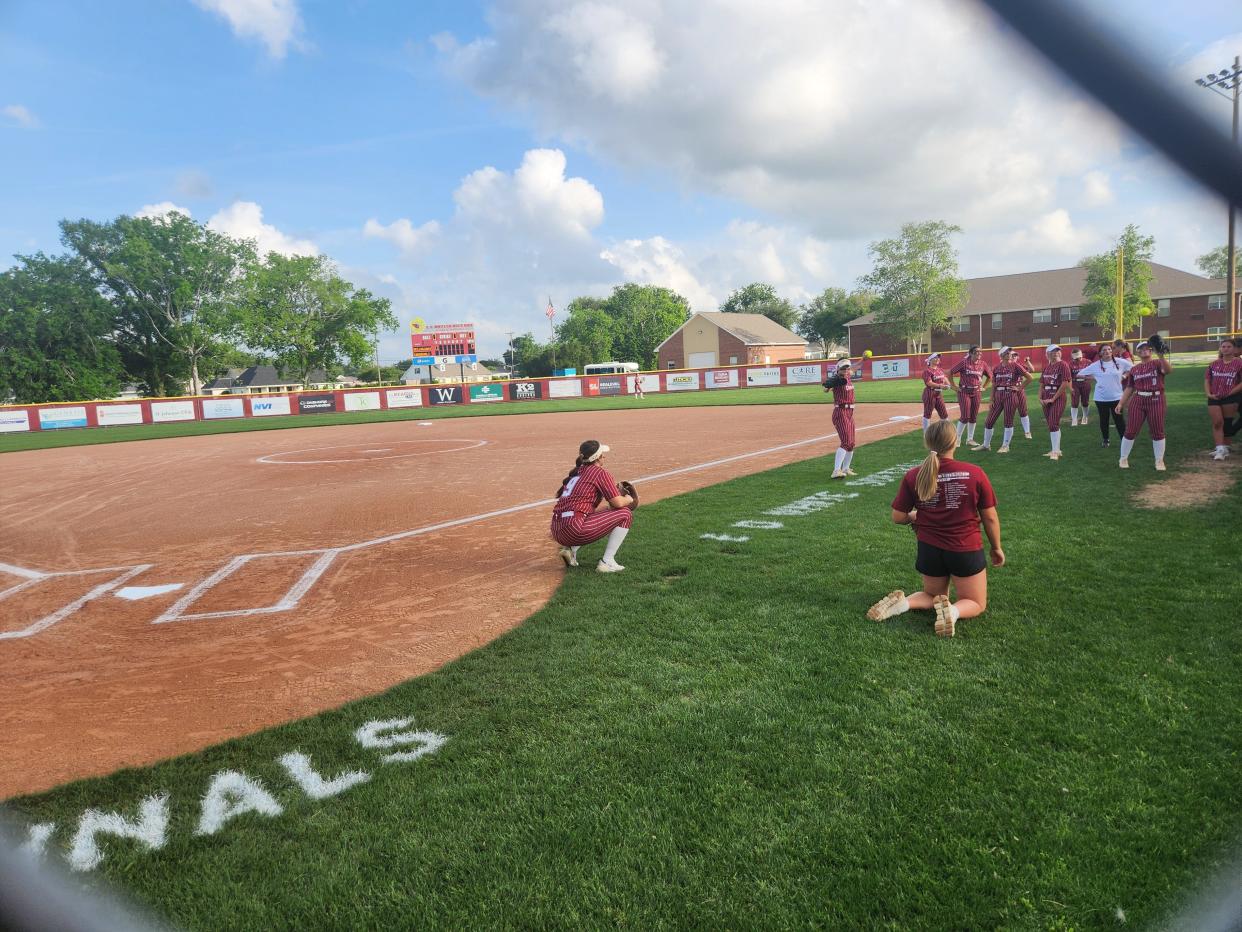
(445, 394)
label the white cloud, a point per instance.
(163, 208)
(403, 234)
(1097, 189)
(657, 261)
(20, 116)
(244, 220)
(1051, 235)
(787, 107)
(275, 23)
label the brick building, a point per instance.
(1038, 308)
(720, 339)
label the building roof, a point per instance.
(261, 377)
(751, 329)
(1028, 291)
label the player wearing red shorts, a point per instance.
(1008, 382)
(1080, 394)
(934, 384)
(1222, 383)
(973, 373)
(1054, 390)
(1145, 384)
(946, 500)
(574, 519)
(842, 387)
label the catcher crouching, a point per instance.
(577, 518)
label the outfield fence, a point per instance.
(92, 414)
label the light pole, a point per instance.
(1228, 83)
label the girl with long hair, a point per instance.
(1008, 384)
(1145, 384)
(576, 522)
(935, 383)
(972, 374)
(1106, 372)
(1054, 393)
(1222, 383)
(946, 500)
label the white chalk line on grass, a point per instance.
(327, 555)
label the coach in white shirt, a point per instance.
(1106, 372)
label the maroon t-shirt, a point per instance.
(970, 374)
(1224, 375)
(1055, 375)
(950, 518)
(585, 491)
(1145, 377)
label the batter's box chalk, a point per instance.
(40, 600)
(179, 610)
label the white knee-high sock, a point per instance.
(1126, 446)
(959, 428)
(1073, 417)
(1055, 436)
(987, 436)
(1006, 436)
(1083, 416)
(1157, 447)
(970, 432)
(614, 543)
(849, 458)
(574, 551)
(839, 462)
(1026, 425)
(926, 421)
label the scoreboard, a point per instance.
(442, 343)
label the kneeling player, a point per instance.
(574, 519)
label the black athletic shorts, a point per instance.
(934, 561)
(1221, 402)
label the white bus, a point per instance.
(610, 368)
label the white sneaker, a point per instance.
(1123, 464)
(608, 567)
(838, 474)
(1054, 456)
(879, 611)
(1159, 465)
(850, 472)
(1028, 436)
(1004, 448)
(568, 557)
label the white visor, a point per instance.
(1053, 349)
(603, 448)
(842, 363)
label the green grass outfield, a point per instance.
(718, 738)
(907, 390)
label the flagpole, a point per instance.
(552, 330)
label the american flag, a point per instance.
(551, 311)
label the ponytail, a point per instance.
(940, 439)
(573, 472)
(929, 473)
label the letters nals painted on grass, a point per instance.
(231, 793)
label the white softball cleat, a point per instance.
(1029, 436)
(1123, 464)
(838, 474)
(608, 567)
(567, 556)
(1159, 465)
(1004, 448)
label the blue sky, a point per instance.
(470, 160)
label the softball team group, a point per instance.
(945, 500)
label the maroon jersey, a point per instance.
(1145, 377)
(585, 491)
(1006, 375)
(1054, 376)
(950, 518)
(931, 375)
(971, 374)
(1076, 367)
(844, 394)
(1223, 376)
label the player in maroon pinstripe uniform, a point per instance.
(1081, 392)
(1144, 383)
(842, 387)
(973, 373)
(934, 384)
(1222, 383)
(574, 519)
(1054, 390)
(1008, 383)
(1023, 414)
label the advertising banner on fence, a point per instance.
(767, 376)
(722, 378)
(111, 415)
(445, 394)
(804, 375)
(590, 387)
(270, 406)
(56, 418)
(214, 408)
(405, 398)
(610, 384)
(13, 421)
(682, 381)
(362, 401)
(890, 368)
(525, 391)
(316, 404)
(649, 383)
(487, 391)
(164, 411)
(565, 388)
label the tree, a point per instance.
(824, 317)
(1099, 291)
(761, 298)
(308, 317)
(56, 333)
(645, 316)
(173, 282)
(915, 282)
(587, 333)
(1215, 264)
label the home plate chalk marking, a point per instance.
(135, 593)
(180, 610)
(278, 459)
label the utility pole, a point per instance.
(509, 353)
(1228, 83)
